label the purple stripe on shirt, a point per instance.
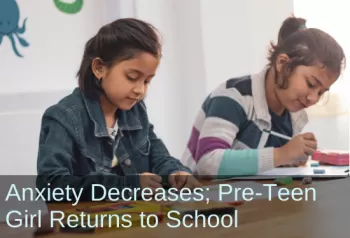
(208, 144)
(192, 143)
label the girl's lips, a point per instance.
(302, 104)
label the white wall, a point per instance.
(179, 87)
(331, 131)
(236, 35)
(20, 117)
(56, 45)
(45, 74)
(205, 43)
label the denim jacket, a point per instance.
(76, 149)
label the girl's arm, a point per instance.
(56, 157)
(161, 161)
(224, 115)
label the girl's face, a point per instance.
(306, 85)
(126, 82)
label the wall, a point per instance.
(205, 42)
(232, 49)
(45, 74)
(178, 89)
(20, 117)
(56, 45)
(332, 130)
(236, 35)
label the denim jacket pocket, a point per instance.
(140, 156)
(145, 147)
(92, 162)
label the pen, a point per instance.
(283, 137)
(278, 135)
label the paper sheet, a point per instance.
(308, 171)
(297, 172)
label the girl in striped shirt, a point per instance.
(231, 135)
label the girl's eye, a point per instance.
(310, 85)
(131, 78)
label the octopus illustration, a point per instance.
(9, 21)
(69, 8)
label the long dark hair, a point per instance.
(305, 46)
(115, 42)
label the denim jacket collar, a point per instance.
(127, 120)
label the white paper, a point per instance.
(308, 171)
(297, 172)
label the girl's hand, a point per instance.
(149, 180)
(296, 151)
(183, 179)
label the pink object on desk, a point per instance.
(332, 158)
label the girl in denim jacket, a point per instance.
(100, 134)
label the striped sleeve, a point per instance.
(224, 114)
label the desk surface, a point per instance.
(327, 217)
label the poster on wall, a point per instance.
(9, 25)
(55, 42)
(69, 8)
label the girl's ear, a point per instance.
(98, 68)
(280, 61)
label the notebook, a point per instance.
(336, 158)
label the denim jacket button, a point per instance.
(128, 162)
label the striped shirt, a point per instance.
(228, 137)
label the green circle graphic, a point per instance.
(69, 8)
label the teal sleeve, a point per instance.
(239, 163)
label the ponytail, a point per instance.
(307, 47)
(290, 26)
